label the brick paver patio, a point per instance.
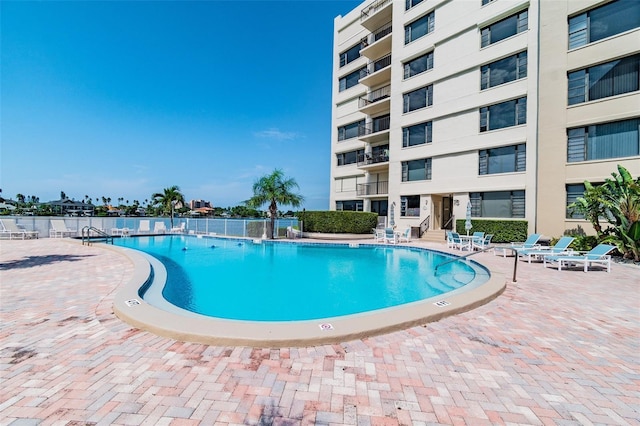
(556, 348)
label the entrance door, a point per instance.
(447, 211)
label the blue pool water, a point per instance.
(237, 279)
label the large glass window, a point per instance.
(506, 28)
(605, 21)
(351, 205)
(417, 134)
(604, 80)
(503, 71)
(408, 4)
(601, 141)
(350, 55)
(505, 114)
(352, 79)
(509, 204)
(351, 130)
(419, 28)
(505, 159)
(350, 157)
(417, 99)
(410, 205)
(418, 65)
(416, 170)
(573, 192)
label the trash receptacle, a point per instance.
(415, 232)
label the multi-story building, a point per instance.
(196, 204)
(505, 105)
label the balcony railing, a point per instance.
(378, 64)
(375, 126)
(376, 35)
(374, 188)
(371, 9)
(374, 96)
(368, 159)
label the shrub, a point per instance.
(504, 231)
(338, 222)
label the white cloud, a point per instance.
(277, 134)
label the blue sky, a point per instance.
(125, 98)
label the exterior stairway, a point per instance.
(434, 236)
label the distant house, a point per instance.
(197, 204)
(67, 207)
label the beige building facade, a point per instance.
(504, 106)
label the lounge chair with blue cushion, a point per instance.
(596, 256)
(482, 243)
(531, 242)
(390, 236)
(559, 248)
(405, 236)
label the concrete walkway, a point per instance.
(556, 348)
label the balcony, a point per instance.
(375, 14)
(377, 72)
(373, 188)
(377, 43)
(375, 101)
(375, 130)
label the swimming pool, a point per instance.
(279, 281)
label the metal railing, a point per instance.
(90, 233)
(374, 96)
(368, 159)
(376, 35)
(424, 226)
(457, 258)
(248, 228)
(378, 64)
(372, 8)
(375, 126)
(373, 188)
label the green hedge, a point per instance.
(504, 231)
(338, 222)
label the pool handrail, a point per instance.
(455, 259)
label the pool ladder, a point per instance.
(515, 259)
(100, 235)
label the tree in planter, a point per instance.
(274, 189)
(167, 199)
(617, 201)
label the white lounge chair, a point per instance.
(405, 236)
(390, 236)
(596, 256)
(178, 229)
(159, 228)
(559, 248)
(11, 229)
(59, 229)
(144, 227)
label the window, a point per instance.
(602, 141)
(346, 184)
(417, 134)
(419, 28)
(604, 80)
(602, 22)
(505, 159)
(503, 29)
(503, 71)
(411, 3)
(350, 55)
(418, 65)
(350, 157)
(486, 2)
(417, 99)
(352, 79)
(416, 170)
(497, 204)
(350, 130)
(573, 192)
(410, 205)
(351, 205)
(505, 114)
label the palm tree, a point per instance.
(274, 189)
(168, 199)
